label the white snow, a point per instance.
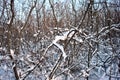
(5, 67)
(31, 68)
(78, 39)
(36, 34)
(12, 52)
(1, 48)
(84, 73)
(57, 38)
(61, 48)
(9, 21)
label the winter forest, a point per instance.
(59, 39)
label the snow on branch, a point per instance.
(54, 42)
(60, 38)
(61, 48)
(102, 32)
(107, 29)
(12, 53)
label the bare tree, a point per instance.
(60, 40)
